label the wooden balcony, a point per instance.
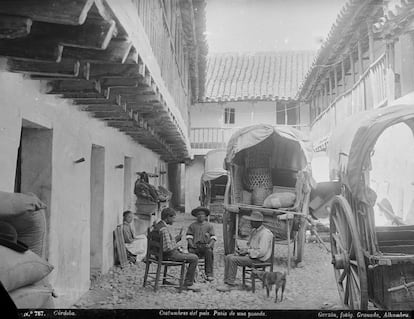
(205, 139)
(369, 91)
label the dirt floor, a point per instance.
(310, 287)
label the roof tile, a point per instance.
(261, 75)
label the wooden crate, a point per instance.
(396, 243)
(382, 278)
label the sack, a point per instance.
(31, 230)
(13, 204)
(278, 200)
(21, 269)
(32, 296)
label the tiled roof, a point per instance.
(257, 76)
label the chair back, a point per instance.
(154, 245)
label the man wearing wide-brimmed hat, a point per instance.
(259, 248)
(201, 238)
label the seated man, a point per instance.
(136, 245)
(259, 249)
(201, 239)
(171, 251)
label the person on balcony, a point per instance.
(201, 238)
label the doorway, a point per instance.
(97, 181)
(34, 166)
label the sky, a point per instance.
(269, 25)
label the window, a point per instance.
(286, 114)
(229, 115)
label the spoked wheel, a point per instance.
(228, 232)
(347, 257)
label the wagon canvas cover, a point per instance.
(352, 142)
(252, 135)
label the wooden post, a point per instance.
(372, 83)
(343, 75)
(330, 88)
(288, 239)
(336, 82)
(390, 58)
(351, 60)
(360, 61)
(370, 42)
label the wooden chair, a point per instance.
(258, 266)
(121, 257)
(155, 256)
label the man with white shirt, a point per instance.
(259, 248)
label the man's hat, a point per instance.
(8, 238)
(255, 216)
(195, 211)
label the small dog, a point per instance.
(272, 278)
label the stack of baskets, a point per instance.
(259, 174)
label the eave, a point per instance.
(85, 54)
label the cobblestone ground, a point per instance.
(310, 287)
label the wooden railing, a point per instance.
(368, 92)
(166, 38)
(214, 137)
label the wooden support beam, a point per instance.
(102, 10)
(109, 115)
(93, 34)
(31, 48)
(128, 91)
(72, 12)
(67, 86)
(106, 83)
(12, 27)
(116, 52)
(66, 68)
(82, 95)
(102, 70)
(101, 108)
(96, 101)
(133, 56)
(121, 123)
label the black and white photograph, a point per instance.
(207, 158)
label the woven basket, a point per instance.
(259, 195)
(259, 177)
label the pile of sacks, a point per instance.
(23, 266)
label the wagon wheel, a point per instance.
(228, 232)
(300, 241)
(347, 257)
